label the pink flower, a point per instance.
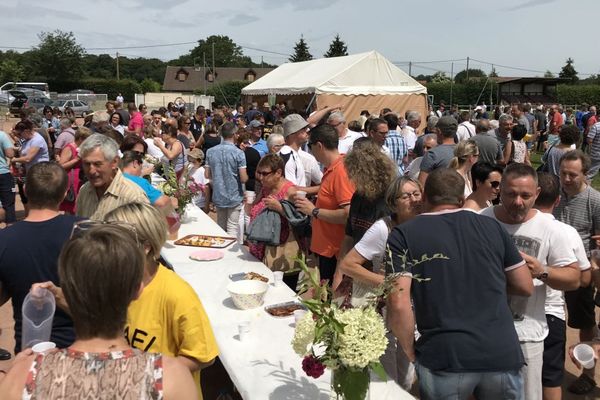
(312, 366)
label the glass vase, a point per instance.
(350, 384)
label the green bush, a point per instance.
(112, 87)
(462, 93)
(228, 92)
(578, 94)
(148, 86)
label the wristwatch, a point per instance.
(315, 212)
(543, 275)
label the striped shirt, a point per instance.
(594, 135)
(582, 212)
(120, 191)
(398, 149)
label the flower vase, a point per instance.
(350, 384)
(184, 216)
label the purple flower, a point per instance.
(312, 366)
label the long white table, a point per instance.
(264, 365)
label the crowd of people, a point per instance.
(486, 252)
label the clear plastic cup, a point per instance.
(250, 196)
(584, 353)
(43, 347)
(277, 278)
(300, 194)
(38, 312)
(298, 315)
(244, 330)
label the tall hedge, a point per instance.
(578, 94)
(112, 87)
(228, 92)
(462, 93)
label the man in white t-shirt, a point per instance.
(466, 130)
(346, 136)
(554, 344)
(295, 132)
(413, 121)
(549, 258)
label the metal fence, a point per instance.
(156, 100)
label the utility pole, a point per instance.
(467, 69)
(410, 68)
(491, 86)
(204, 70)
(451, 82)
(213, 62)
(118, 66)
(262, 62)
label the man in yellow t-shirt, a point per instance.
(169, 318)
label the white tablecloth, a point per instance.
(264, 365)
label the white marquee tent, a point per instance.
(365, 81)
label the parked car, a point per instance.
(22, 100)
(81, 91)
(19, 100)
(79, 107)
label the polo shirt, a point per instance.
(120, 191)
(152, 192)
(261, 147)
(582, 212)
(335, 191)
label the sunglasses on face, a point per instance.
(495, 184)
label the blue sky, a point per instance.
(535, 35)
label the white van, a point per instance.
(42, 86)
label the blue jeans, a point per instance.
(7, 197)
(507, 385)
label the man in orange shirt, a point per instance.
(330, 213)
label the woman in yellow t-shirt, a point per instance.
(168, 317)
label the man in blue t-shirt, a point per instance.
(468, 342)
(29, 249)
(131, 166)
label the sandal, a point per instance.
(582, 385)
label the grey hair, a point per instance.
(337, 116)
(108, 146)
(430, 136)
(273, 139)
(505, 117)
(65, 123)
(413, 116)
(228, 129)
(432, 122)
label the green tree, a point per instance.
(148, 86)
(569, 72)
(226, 93)
(227, 54)
(58, 57)
(461, 77)
(548, 74)
(337, 48)
(301, 52)
(439, 77)
(11, 71)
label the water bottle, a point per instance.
(38, 312)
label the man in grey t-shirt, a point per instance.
(489, 147)
(440, 156)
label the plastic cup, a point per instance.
(250, 196)
(277, 278)
(300, 194)
(244, 330)
(38, 312)
(584, 353)
(43, 347)
(298, 315)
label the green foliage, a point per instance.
(10, 70)
(227, 54)
(578, 94)
(439, 77)
(228, 92)
(461, 77)
(461, 93)
(337, 48)
(58, 57)
(149, 85)
(301, 52)
(548, 74)
(141, 68)
(569, 72)
(127, 87)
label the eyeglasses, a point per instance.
(80, 227)
(262, 173)
(405, 196)
(495, 184)
(188, 122)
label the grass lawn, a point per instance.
(536, 161)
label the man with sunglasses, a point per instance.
(29, 249)
(330, 213)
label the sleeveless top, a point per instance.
(178, 162)
(70, 374)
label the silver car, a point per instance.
(79, 107)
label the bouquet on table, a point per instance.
(183, 189)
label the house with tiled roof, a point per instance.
(190, 79)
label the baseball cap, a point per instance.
(255, 124)
(292, 124)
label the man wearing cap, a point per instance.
(301, 168)
(440, 156)
(131, 166)
(258, 142)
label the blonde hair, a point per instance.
(463, 150)
(149, 223)
(369, 169)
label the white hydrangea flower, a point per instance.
(364, 339)
(304, 334)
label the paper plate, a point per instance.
(207, 255)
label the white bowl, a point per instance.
(247, 294)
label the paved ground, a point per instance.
(7, 333)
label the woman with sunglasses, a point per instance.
(486, 186)
(100, 364)
(274, 188)
(184, 135)
(365, 264)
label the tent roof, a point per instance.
(359, 74)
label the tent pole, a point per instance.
(310, 103)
